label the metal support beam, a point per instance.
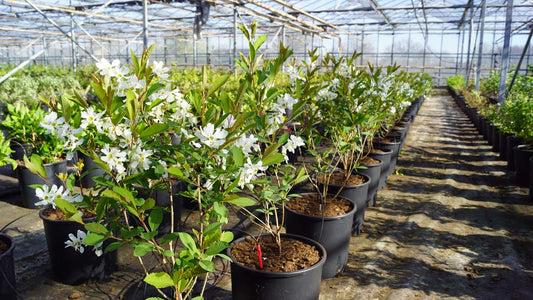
(73, 45)
(467, 70)
(145, 24)
(526, 46)
(480, 55)
(381, 13)
(24, 63)
(465, 12)
(505, 54)
(234, 54)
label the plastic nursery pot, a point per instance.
(20, 150)
(522, 154)
(248, 283)
(531, 178)
(7, 268)
(512, 141)
(391, 143)
(89, 170)
(331, 232)
(358, 195)
(27, 179)
(503, 145)
(374, 172)
(68, 265)
(495, 139)
(385, 156)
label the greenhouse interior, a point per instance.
(266, 149)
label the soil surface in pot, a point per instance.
(309, 204)
(369, 161)
(57, 214)
(295, 254)
(339, 179)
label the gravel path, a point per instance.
(449, 225)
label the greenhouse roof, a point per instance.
(25, 21)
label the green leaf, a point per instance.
(217, 84)
(238, 156)
(227, 236)
(259, 41)
(155, 218)
(159, 280)
(241, 201)
(212, 227)
(142, 248)
(153, 130)
(93, 239)
(69, 209)
(207, 265)
(273, 159)
(169, 237)
(188, 241)
(216, 248)
(112, 247)
(198, 298)
(35, 165)
(157, 86)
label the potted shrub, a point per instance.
(7, 266)
(6, 162)
(125, 132)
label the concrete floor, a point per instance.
(450, 224)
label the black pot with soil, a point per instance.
(385, 156)
(27, 179)
(512, 142)
(250, 282)
(391, 143)
(306, 216)
(522, 154)
(356, 193)
(7, 268)
(68, 265)
(371, 167)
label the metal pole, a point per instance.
(440, 56)
(425, 51)
(73, 48)
(362, 45)
(462, 49)
(520, 60)
(234, 54)
(194, 51)
(377, 49)
(505, 54)
(392, 49)
(467, 70)
(145, 24)
(480, 54)
(45, 52)
(408, 47)
(458, 51)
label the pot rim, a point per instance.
(325, 218)
(309, 241)
(373, 165)
(41, 215)
(11, 244)
(385, 151)
(354, 185)
(522, 146)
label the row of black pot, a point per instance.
(519, 156)
(331, 235)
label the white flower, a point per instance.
(98, 251)
(141, 159)
(74, 198)
(160, 70)
(229, 121)
(52, 123)
(164, 164)
(48, 195)
(211, 136)
(89, 116)
(292, 143)
(274, 122)
(76, 242)
(250, 172)
(114, 157)
(285, 103)
(247, 144)
(109, 69)
(392, 110)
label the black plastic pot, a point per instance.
(495, 139)
(385, 158)
(27, 179)
(489, 129)
(357, 194)
(522, 154)
(512, 141)
(68, 265)
(331, 232)
(20, 150)
(394, 146)
(7, 270)
(503, 145)
(531, 178)
(89, 170)
(248, 283)
(374, 172)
